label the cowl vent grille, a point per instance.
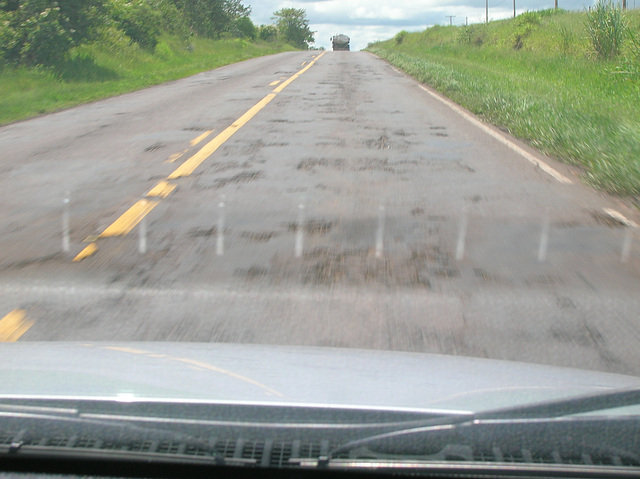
(527, 456)
(264, 453)
(276, 453)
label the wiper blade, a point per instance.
(542, 411)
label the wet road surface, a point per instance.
(318, 200)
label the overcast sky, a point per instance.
(366, 21)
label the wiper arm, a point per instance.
(545, 410)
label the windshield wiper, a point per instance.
(449, 425)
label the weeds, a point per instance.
(567, 38)
(606, 27)
(399, 38)
(472, 34)
(551, 94)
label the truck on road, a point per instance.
(340, 42)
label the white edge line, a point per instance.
(505, 141)
(620, 217)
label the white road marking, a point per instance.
(142, 244)
(544, 238)
(380, 232)
(462, 236)
(616, 215)
(66, 220)
(300, 233)
(221, 222)
(626, 245)
(501, 138)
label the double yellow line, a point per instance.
(132, 217)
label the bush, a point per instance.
(139, 21)
(473, 34)
(268, 32)
(34, 34)
(528, 18)
(172, 20)
(399, 38)
(44, 40)
(606, 27)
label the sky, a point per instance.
(367, 21)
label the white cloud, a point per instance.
(366, 21)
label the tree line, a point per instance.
(42, 32)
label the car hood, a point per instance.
(286, 375)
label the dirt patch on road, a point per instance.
(327, 267)
(309, 164)
(259, 236)
(245, 177)
(203, 233)
(313, 227)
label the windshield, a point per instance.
(219, 202)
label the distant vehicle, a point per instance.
(340, 42)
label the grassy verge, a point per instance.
(113, 67)
(537, 76)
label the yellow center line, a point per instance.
(190, 165)
(274, 83)
(129, 219)
(197, 140)
(13, 326)
(295, 77)
(196, 160)
(161, 190)
(85, 253)
(132, 217)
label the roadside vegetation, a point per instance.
(57, 54)
(568, 83)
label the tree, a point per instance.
(294, 27)
(245, 28)
(138, 20)
(211, 18)
(41, 32)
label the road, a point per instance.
(309, 199)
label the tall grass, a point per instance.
(606, 27)
(116, 66)
(538, 79)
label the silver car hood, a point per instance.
(286, 375)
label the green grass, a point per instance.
(114, 66)
(539, 77)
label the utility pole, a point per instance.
(514, 8)
(486, 11)
(450, 17)
(556, 4)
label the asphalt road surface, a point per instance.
(308, 199)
